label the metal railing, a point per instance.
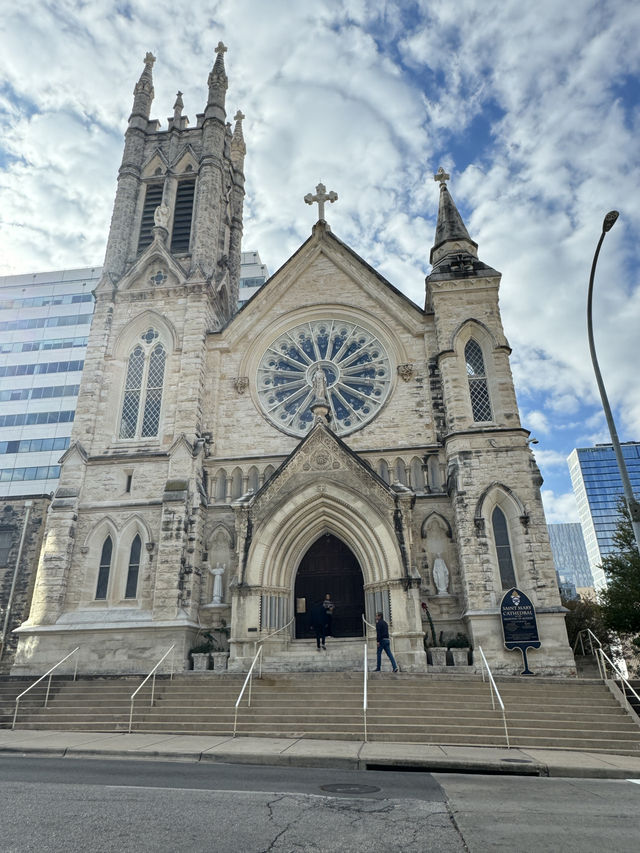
(602, 657)
(364, 700)
(272, 634)
(48, 673)
(152, 675)
(494, 690)
(248, 680)
(590, 636)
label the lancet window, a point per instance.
(478, 386)
(104, 569)
(133, 571)
(503, 548)
(143, 388)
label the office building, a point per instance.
(570, 554)
(598, 489)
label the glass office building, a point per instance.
(570, 554)
(598, 488)
(44, 328)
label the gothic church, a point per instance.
(230, 467)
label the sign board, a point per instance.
(519, 624)
(301, 605)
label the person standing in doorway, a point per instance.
(329, 607)
(318, 623)
(384, 644)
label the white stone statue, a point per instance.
(441, 575)
(217, 573)
(319, 381)
(161, 216)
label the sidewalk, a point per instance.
(301, 752)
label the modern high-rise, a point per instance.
(598, 488)
(44, 328)
(570, 554)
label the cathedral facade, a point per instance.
(229, 467)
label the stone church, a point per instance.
(228, 468)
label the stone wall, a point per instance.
(13, 512)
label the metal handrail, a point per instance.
(48, 673)
(248, 680)
(272, 634)
(591, 637)
(601, 653)
(494, 688)
(153, 683)
(364, 701)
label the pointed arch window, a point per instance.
(104, 569)
(131, 589)
(143, 389)
(503, 548)
(478, 386)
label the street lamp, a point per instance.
(632, 504)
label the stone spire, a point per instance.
(451, 233)
(177, 109)
(218, 83)
(143, 91)
(238, 147)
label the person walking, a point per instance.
(329, 607)
(318, 623)
(384, 644)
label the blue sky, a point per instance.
(533, 108)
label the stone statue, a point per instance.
(217, 573)
(441, 575)
(319, 384)
(161, 216)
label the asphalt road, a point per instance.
(67, 804)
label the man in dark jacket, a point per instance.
(382, 631)
(319, 622)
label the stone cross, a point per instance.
(320, 197)
(221, 48)
(441, 176)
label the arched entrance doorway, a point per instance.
(331, 566)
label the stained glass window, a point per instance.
(104, 569)
(503, 548)
(143, 389)
(355, 365)
(478, 387)
(134, 568)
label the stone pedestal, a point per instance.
(200, 662)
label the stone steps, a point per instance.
(402, 708)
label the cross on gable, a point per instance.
(320, 197)
(441, 176)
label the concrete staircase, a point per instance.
(437, 709)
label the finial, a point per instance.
(238, 148)
(239, 116)
(320, 197)
(441, 176)
(177, 109)
(221, 48)
(149, 58)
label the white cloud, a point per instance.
(559, 509)
(530, 108)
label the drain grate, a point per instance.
(350, 789)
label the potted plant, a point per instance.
(200, 654)
(459, 648)
(436, 654)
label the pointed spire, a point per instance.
(218, 83)
(450, 227)
(238, 147)
(143, 90)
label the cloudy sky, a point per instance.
(533, 108)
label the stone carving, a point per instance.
(217, 573)
(320, 197)
(241, 384)
(441, 575)
(161, 216)
(319, 383)
(405, 371)
(441, 176)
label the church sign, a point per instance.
(519, 625)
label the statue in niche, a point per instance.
(217, 573)
(161, 216)
(441, 575)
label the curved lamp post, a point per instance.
(632, 504)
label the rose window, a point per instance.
(355, 376)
